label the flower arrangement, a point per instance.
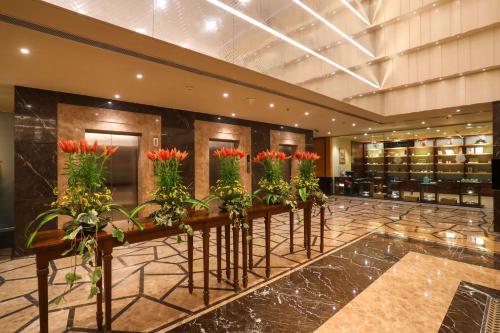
(276, 190)
(306, 182)
(87, 202)
(170, 194)
(235, 200)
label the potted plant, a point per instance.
(275, 190)
(170, 194)
(228, 188)
(306, 182)
(87, 203)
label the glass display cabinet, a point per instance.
(429, 192)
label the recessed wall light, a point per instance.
(306, 113)
(271, 105)
(117, 96)
(24, 50)
(139, 76)
(225, 95)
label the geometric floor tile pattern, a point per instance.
(150, 279)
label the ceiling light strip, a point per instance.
(358, 14)
(333, 27)
(289, 40)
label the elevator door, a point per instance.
(287, 164)
(122, 167)
(214, 167)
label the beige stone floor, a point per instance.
(150, 279)
(426, 286)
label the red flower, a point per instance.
(94, 147)
(84, 147)
(306, 156)
(111, 150)
(68, 146)
(152, 156)
(270, 155)
(224, 152)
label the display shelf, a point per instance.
(483, 154)
(420, 163)
(454, 163)
(478, 173)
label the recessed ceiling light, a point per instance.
(353, 124)
(333, 119)
(329, 133)
(438, 130)
(365, 134)
(434, 4)
(225, 95)
(428, 128)
(440, 78)
(109, 102)
(457, 110)
(369, 128)
(96, 114)
(211, 25)
(117, 96)
(244, 2)
(484, 69)
(394, 131)
(233, 114)
(140, 30)
(289, 40)
(282, 127)
(461, 74)
(408, 133)
(28, 106)
(139, 76)
(296, 125)
(218, 118)
(306, 113)
(469, 124)
(271, 105)
(24, 50)
(161, 4)
(423, 122)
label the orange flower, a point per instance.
(68, 146)
(166, 154)
(111, 150)
(224, 152)
(152, 155)
(84, 147)
(306, 156)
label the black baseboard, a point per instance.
(6, 238)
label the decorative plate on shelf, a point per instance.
(460, 158)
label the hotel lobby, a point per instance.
(250, 166)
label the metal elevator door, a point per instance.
(289, 150)
(122, 167)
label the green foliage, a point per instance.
(273, 188)
(307, 184)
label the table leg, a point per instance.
(244, 234)
(107, 256)
(206, 255)
(236, 243)
(291, 231)
(250, 244)
(99, 314)
(307, 225)
(42, 273)
(219, 254)
(190, 263)
(227, 237)
(322, 229)
(267, 222)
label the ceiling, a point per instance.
(78, 54)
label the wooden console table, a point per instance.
(50, 246)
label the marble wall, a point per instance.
(206, 131)
(297, 140)
(36, 125)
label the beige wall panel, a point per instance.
(460, 87)
(488, 11)
(6, 98)
(455, 17)
(440, 22)
(400, 70)
(415, 4)
(449, 54)
(481, 49)
(425, 27)
(74, 120)
(490, 85)
(402, 35)
(435, 68)
(469, 14)
(412, 67)
(423, 64)
(420, 97)
(204, 131)
(379, 42)
(405, 6)
(392, 8)
(390, 39)
(414, 22)
(463, 54)
(473, 88)
(496, 46)
(386, 74)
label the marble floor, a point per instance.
(384, 259)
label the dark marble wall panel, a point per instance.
(496, 154)
(6, 179)
(36, 143)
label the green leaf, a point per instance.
(46, 219)
(94, 290)
(249, 238)
(119, 234)
(72, 235)
(57, 300)
(96, 275)
(303, 194)
(71, 278)
(179, 239)
(68, 250)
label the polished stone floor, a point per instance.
(379, 259)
